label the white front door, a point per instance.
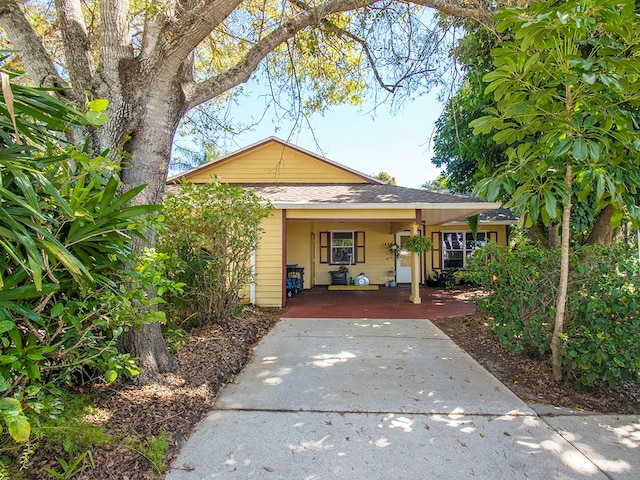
(403, 261)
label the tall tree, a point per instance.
(385, 177)
(469, 156)
(156, 61)
(567, 98)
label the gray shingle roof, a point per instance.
(353, 194)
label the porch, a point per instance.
(385, 303)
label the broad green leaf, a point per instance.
(97, 119)
(534, 207)
(18, 426)
(507, 136)
(550, 204)
(531, 62)
(600, 187)
(6, 325)
(36, 357)
(562, 147)
(584, 193)
(110, 376)
(594, 151)
(98, 105)
(57, 310)
(7, 359)
(579, 149)
(21, 310)
(25, 292)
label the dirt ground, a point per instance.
(214, 354)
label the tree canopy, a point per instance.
(567, 97)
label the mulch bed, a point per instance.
(214, 354)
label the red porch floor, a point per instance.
(388, 302)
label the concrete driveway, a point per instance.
(390, 399)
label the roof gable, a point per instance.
(274, 161)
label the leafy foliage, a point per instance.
(601, 342)
(603, 339)
(212, 230)
(567, 98)
(566, 94)
(69, 286)
(468, 157)
(523, 284)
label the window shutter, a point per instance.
(492, 236)
(436, 257)
(324, 247)
(360, 253)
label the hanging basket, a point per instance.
(418, 243)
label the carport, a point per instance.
(387, 302)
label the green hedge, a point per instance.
(601, 340)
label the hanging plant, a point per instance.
(418, 243)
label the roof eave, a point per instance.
(479, 206)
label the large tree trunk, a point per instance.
(603, 231)
(561, 301)
(150, 149)
(147, 344)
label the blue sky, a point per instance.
(366, 141)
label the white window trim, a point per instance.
(464, 248)
(352, 259)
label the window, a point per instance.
(342, 248)
(342, 251)
(458, 246)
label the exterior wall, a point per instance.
(432, 264)
(269, 262)
(299, 248)
(377, 263)
(274, 162)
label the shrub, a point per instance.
(601, 340)
(68, 283)
(522, 284)
(211, 232)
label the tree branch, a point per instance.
(29, 47)
(115, 44)
(76, 45)
(240, 73)
(451, 8)
(178, 39)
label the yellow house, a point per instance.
(328, 218)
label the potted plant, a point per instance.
(418, 243)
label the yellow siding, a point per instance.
(351, 213)
(378, 262)
(299, 248)
(274, 162)
(269, 272)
